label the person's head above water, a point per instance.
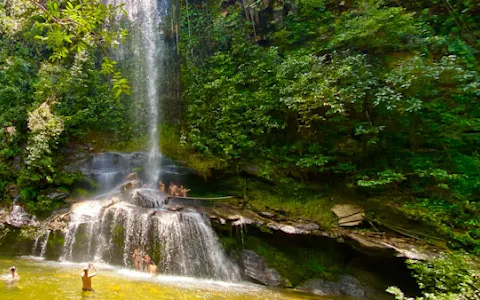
(13, 269)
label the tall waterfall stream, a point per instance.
(112, 226)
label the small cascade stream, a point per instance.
(43, 240)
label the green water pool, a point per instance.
(54, 280)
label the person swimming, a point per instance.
(87, 278)
(13, 271)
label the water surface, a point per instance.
(53, 280)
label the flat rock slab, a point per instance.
(349, 215)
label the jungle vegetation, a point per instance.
(379, 97)
(57, 83)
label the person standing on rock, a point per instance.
(183, 191)
(161, 187)
(137, 258)
(173, 190)
(132, 176)
(176, 190)
(87, 278)
(170, 189)
(146, 262)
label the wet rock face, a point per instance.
(147, 198)
(19, 218)
(345, 286)
(57, 196)
(257, 269)
(107, 169)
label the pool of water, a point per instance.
(56, 280)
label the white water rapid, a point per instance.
(180, 243)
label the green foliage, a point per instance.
(380, 96)
(172, 146)
(42, 206)
(3, 232)
(297, 264)
(296, 200)
(53, 87)
(371, 25)
(453, 276)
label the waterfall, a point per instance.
(43, 243)
(180, 243)
(144, 55)
(113, 226)
(43, 246)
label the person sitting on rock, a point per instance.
(161, 187)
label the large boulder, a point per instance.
(147, 198)
(345, 286)
(257, 269)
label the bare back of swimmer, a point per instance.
(87, 278)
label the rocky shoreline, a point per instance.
(372, 243)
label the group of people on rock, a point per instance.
(173, 189)
(143, 262)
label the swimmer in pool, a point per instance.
(13, 271)
(87, 278)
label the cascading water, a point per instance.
(145, 54)
(43, 243)
(181, 243)
(131, 218)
